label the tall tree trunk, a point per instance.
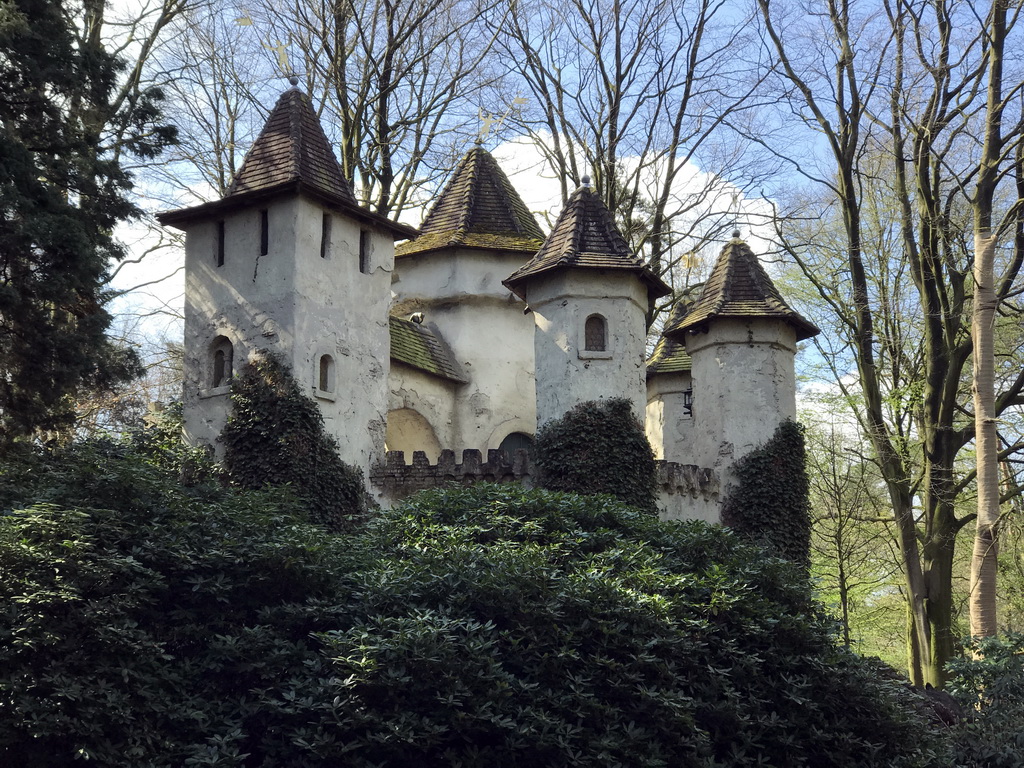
(983, 560)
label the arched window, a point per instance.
(595, 334)
(516, 441)
(325, 380)
(222, 361)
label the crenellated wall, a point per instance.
(685, 491)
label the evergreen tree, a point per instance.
(61, 194)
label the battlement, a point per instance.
(396, 479)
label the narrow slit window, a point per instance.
(595, 334)
(364, 251)
(222, 362)
(264, 232)
(325, 237)
(326, 377)
(220, 243)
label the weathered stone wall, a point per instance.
(686, 492)
(744, 386)
(295, 302)
(420, 411)
(669, 427)
(568, 374)
(459, 291)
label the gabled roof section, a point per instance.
(292, 147)
(740, 288)
(478, 208)
(585, 237)
(669, 355)
(290, 156)
(423, 348)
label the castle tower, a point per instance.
(449, 278)
(589, 297)
(287, 261)
(669, 419)
(741, 337)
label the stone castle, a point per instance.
(454, 345)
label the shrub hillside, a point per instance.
(147, 624)
(989, 685)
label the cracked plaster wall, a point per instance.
(460, 292)
(432, 399)
(297, 303)
(567, 373)
(744, 386)
(669, 428)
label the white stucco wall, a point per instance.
(460, 292)
(409, 432)
(669, 428)
(299, 304)
(684, 506)
(743, 386)
(567, 374)
(432, 398)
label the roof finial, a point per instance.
(294, 80)
(736, 234)
(585, 181)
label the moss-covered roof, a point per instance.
(669, 355)
(585, 237)
(478, 208)
(423, 348)
(738, 287)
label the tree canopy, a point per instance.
(61, 194)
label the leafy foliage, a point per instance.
(598, 447)
(61, 196)
(275, 436)
(147, 624)
(134, 610)
(160, 443)
(989, 685)
(770, 502)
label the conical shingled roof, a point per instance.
(292, 147)
(669, 355)
(291, 155)
(585, 237)
(478, 208)
(740, 288)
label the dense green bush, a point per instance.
(147, 624)
(989, 686)
(770, 504)
(275, 436)
(598, 447)
(141, 617)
